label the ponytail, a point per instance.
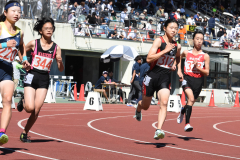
(2, 18)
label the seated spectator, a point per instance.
(238, 25)
(124, 34)
(205, 24)
(149, 27)
(92, 19)
(160, 12)
(71, 17)
(173, 15)
(199, 22)
(129, 8)
(113, 34)
(220, 33)
(182, 10)
(207, 41)
(82, 9)
(98, 85)
(182, 20)
(143, 15)
(191, 21)
(178, 14)
(133, 35)
(123, 15)
(236, 43)
(98, 7)
(196, 16)
(103, 25)
(224, 39)
(182, 32)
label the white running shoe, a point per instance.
(159, 134)
(188, 128)
(180, 116)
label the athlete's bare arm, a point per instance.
(11, 43)
(177, 59)
(59, 59)
(30, 46)
(21, 47)
(206, 62)
(152, 56)
(184, 54)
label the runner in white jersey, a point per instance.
(196, 66)
(11, 42)
(162, 57)
(36, 82)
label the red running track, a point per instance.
(65, 131)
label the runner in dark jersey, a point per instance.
(196, 66)
(162, 57)
(37, 78)
(11, 42)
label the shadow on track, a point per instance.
(43, 140)
(185, 138)
(5, 151)
(158, 145)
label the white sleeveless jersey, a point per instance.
(8, 54)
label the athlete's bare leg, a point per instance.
(163, 96)
(7, 88)
(144, 103)
(190, 96)
(38, 103)
(29, 98)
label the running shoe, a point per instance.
(20, 104)
(129, 105)
(138, 115)
(24, 138)
(188, 128)
(159, 134)
(180, 116)
(3, 138)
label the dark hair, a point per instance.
(197, 32)
(94, 14)
(191, 15)
(39, 24)
(138, 58)
(3, 17)
(170, 21)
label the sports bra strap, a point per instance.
(162, 39)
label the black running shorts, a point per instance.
(154, 82)
(195, 84)
(36, 80)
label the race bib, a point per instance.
(190, 66)
(8, 54)
(28, 78)
(166, 61)
(42, 63)
(146, 80)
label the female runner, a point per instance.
(11, 40)
(196, 66)
(36, 81)
(162, 57)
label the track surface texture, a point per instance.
(66, 131)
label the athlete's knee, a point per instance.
(191, 99)
(164, 102)
(29, 108)
(7, 100)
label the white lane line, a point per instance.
(108, 150)
(213, 154)
(28, 153)
(230, 145)
(215, 127)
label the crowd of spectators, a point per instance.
(139, 19)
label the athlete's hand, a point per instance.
(169, 47)
(11, 43)
(173, 68)
(180, 75)
(26, 65)
(195, 62)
